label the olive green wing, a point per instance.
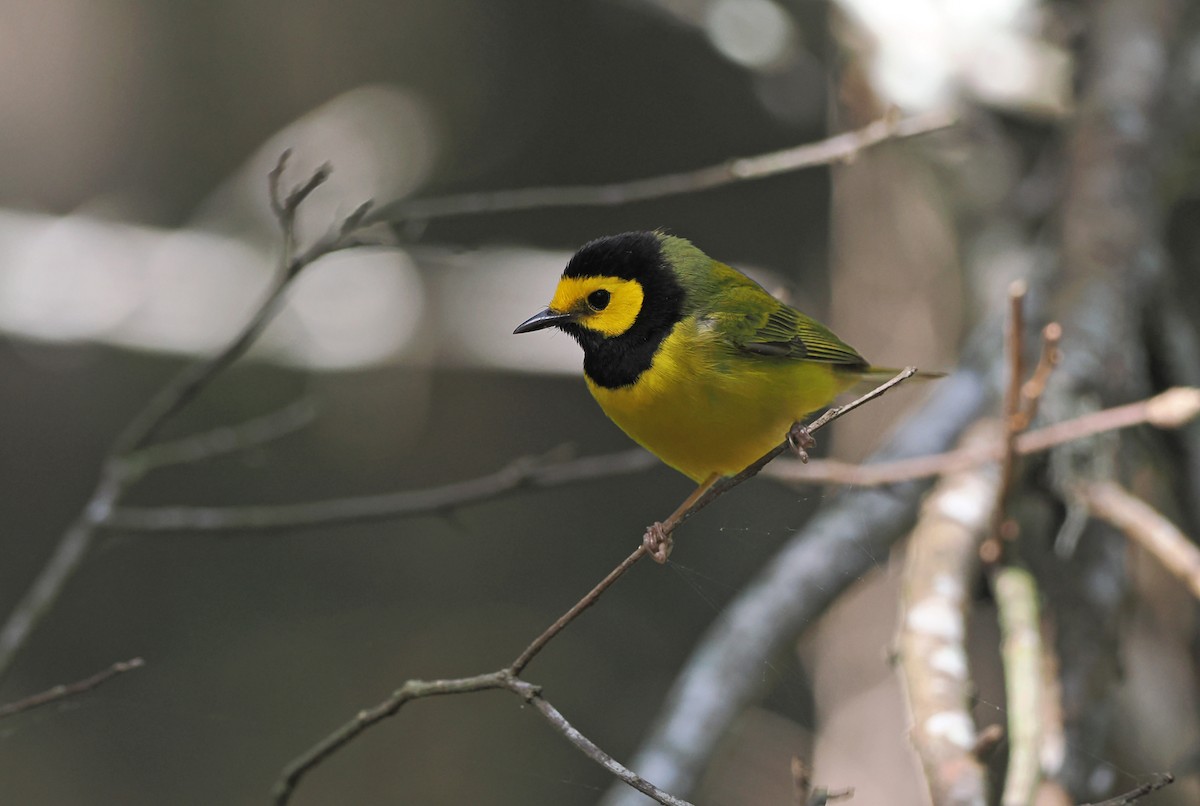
(753, 322)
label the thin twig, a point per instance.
(839, 148)
(504, 679)
(117, 474)
(1015, 350)
(1132, 796)
(1169, 409)
(225, 439)
(589, 749)
(1013, 587)
(525, 473)
(184, 388)
(1033, 389)
(509, 677)
(842, 543)
(61, 692)
(411, 690)
(576, 609)
(1148, 528)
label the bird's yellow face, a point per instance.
(605, 305)
(619, 298)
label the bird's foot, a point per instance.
(800, 440)
(658, 542)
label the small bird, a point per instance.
(692, 359)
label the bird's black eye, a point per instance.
(598, 300)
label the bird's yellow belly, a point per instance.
(704, 411)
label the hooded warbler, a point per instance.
(691, 358)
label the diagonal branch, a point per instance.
(223, 440)
(1161, 781)
(849, 536)
(668, 526)
(839, 148)
(117, 474)
(509, 677)
(61, 692)
(503, 679)
(1148, 528)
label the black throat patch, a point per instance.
(616, 361)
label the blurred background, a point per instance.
(135, 236)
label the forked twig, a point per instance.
(509, 677)
(1014, 588)
(61, 692)
(119, 471)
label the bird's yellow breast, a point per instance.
(705, 409)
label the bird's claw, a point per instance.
(657, 542)
(801, 441)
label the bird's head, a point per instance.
(613, 288)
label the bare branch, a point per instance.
(691, 506)
(509, 677)
(411, 690)
(1148, 528)
(117, 474)
(1033, 389)
(1170, 409)
(843, 541)
(839, 148)
(1014, 349)
(1021, 651)
(61, 692)
(504, 679)
(184, 388)
(941, 560)
(1014, 588)
(224, 439)
(992, 549)
(1163, 780)
(526, 473)
(576, 609)
(589, 749)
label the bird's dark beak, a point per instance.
(543, 319)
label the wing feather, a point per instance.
(753, 322)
